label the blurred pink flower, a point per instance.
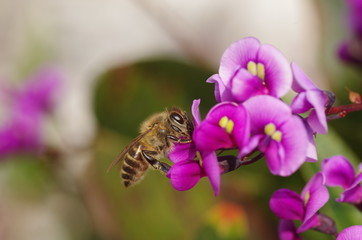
(350, 51)
(249, 68)
(25, 107)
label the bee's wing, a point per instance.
(126, 149)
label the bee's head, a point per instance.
(180, 122)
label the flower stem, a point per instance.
(246, 161)
(342, 111)
(230, 163)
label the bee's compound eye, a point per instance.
(177, 118)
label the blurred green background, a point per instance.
(95, 205)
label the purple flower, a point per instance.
(287, 230)
(354, 17)
(25, 107)
(350, 51)
(185, 174)
(339, 172)
(41, 90)
(288, 205)
(309, 97)
(351, 233)
(277, 133)
(225, 126)
(249, 68)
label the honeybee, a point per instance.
(158, 134)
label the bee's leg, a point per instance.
(180, 140)
(163, 167)
(184, 140)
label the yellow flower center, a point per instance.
(271, 130)
(257, 69)
(227, 124)
(306, 198)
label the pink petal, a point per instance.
(245, 85)
(308, 224)
(317, 118)
(251, 145)
(353, 194)
(295, 143)
(351, 233)
(185, 174)
(274, 160)
(237, 56)
(264, 109)
(318, 195)
(182, 152)
(212, 170)
(301, 82)
(210, 137)
(287, 230)
(221, 91)
(196, 112)
(311, 148)
(300, 104)
(338, 171)
(287, 205)
(278, 75)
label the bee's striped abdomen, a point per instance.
(133, 167)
